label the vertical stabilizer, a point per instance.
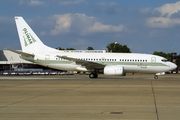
(30, 42)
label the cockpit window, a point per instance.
(164, 60)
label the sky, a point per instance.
(144, 26)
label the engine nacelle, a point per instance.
(114, 70)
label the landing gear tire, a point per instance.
(93, 75)
(155, 77)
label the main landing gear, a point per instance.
(155, 77)
(93, 75)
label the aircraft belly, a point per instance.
(63, 66)
(145, 69)
(130, 68)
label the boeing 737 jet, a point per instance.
(118, 64)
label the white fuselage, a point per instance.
(132, 62)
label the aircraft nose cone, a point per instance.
(173, 66)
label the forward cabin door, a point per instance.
(153, 60)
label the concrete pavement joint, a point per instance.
(155, 101)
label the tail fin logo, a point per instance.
(28, 38)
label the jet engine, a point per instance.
(114, 70)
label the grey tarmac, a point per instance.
(77, 97)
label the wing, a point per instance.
(87, 64)
(22, 53)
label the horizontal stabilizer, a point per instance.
(22, 53)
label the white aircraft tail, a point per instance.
(30, 42)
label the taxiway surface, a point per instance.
(77, 97)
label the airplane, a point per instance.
(117, 64)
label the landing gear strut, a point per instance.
(155, 77)
(93, 75)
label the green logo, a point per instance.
(28, 38)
